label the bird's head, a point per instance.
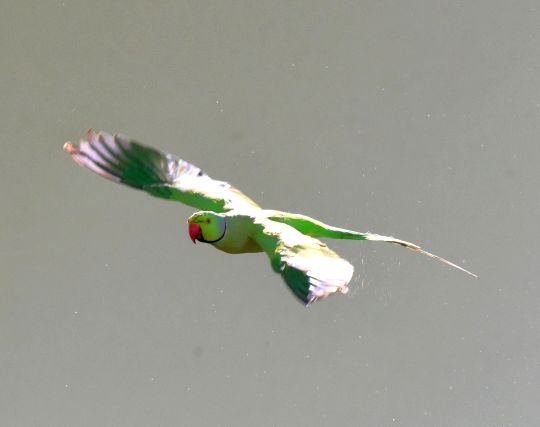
(207, 227)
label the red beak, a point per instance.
(195, 232)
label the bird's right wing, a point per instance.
(162, 175)
(311, 270)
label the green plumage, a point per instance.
(314, 228)
(229, 220)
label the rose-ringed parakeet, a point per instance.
(229, 220)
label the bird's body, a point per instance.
(237, 238)
(229, 220)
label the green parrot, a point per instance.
(229, 220)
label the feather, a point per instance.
(310, 269)
(162, 175)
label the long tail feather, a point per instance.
(416, 248)
(315, 228)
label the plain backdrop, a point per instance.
(419, 119)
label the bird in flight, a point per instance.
(229, 220)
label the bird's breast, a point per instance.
(236, 239)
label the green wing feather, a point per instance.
(160, 174)
(311, 270)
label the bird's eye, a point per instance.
(208, 220)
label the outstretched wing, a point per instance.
(311, 270)
(162, 175)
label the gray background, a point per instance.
(419, 119)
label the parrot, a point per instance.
(229, 220)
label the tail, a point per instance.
(412, 246)
(314, 228)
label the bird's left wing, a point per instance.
(122, 160)
(311, 270)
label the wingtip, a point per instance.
(72, 148)
(90, 133)
(344, 290)
(69, 147)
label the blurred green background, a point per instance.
(417, 119)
